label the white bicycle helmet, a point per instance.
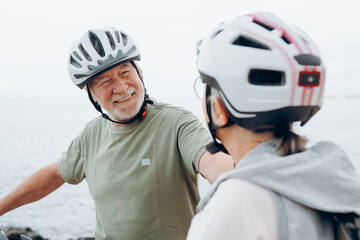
(97, 51)
(265, 71)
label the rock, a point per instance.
(13, 233)
(87, 238)
(83, 238)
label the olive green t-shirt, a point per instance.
(143, 175)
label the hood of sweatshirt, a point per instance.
(321, 178)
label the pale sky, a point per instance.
(36, 36)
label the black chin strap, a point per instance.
(214, 146)
(140, 115)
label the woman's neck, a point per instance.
(240, 141)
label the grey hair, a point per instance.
(214, 93)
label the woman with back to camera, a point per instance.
(261, 76)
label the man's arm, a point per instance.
(36, 187)
(212, 166)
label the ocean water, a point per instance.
(35, 132)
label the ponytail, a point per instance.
(290, 142)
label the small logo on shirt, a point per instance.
(145, 162)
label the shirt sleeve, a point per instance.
(192, 139)
(238, 210)
(71, 163)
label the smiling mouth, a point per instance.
(124, 100)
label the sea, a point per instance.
(34, 132)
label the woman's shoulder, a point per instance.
(238, 208)
(242, 191)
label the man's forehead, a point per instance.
(124, 65)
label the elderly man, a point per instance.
(140, 159)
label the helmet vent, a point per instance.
(77, 76)
(96, 43)
(117, 36)
(248, 42)
(216, 33)
(266, 77)
(77, 55)
(198, 44)
(111, 40)
(124, 38)
(85, 53)
(263, 25)
(308, 59)
(74, 62)
(285, 39)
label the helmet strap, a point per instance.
(214, 146)
(140, 115)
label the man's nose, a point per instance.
(119, 85)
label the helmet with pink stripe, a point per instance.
(265, 71)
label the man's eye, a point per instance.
(124, 73)
(103, 82)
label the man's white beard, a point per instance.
(128, 111)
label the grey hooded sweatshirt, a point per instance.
(321, 178)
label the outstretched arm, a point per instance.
(212, 166)
(36, 187)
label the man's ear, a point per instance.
(219, 115)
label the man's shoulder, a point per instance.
(94, 125)
(168, 108)
(98, 121)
